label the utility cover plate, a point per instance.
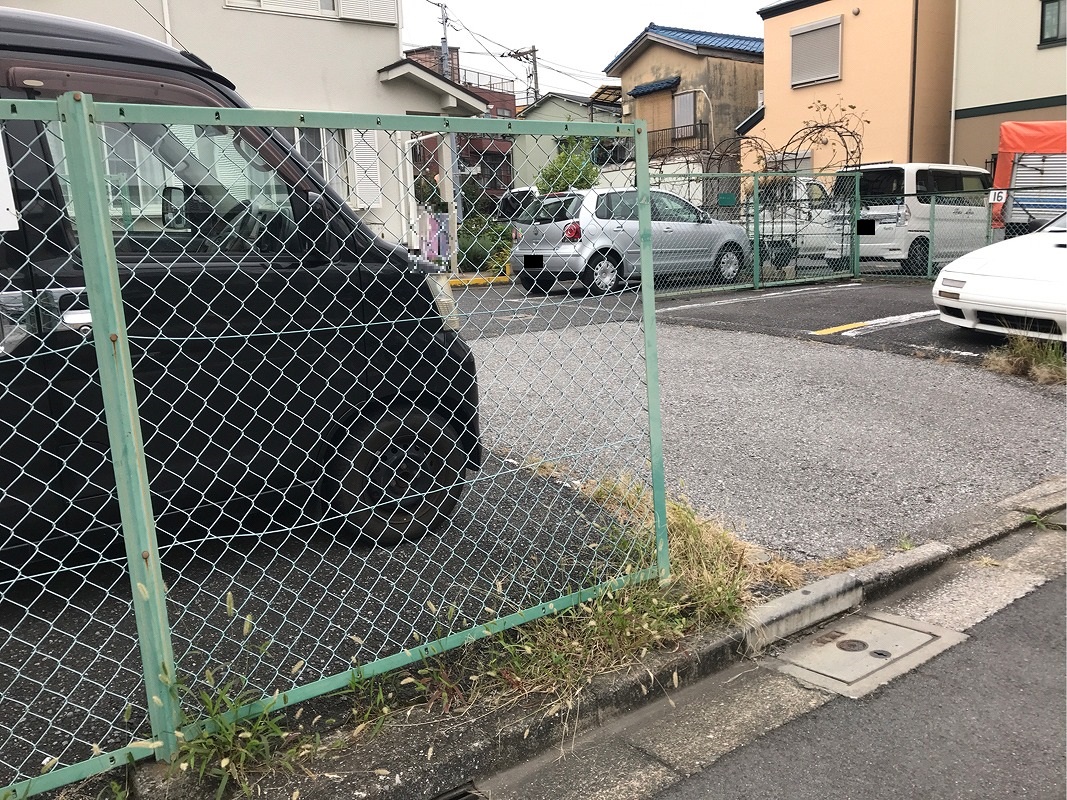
(855, 654)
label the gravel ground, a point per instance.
(807, 449)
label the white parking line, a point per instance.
(891, 322)
(750, 298)
(945, 350)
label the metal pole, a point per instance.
(648, 307)
(756, 258)
(81, 139)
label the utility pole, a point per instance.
(448, 160)
(529, 53)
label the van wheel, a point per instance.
(729, 263)
(918, 256)
(395, 478)
(602, 274)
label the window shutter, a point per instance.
(366, 175)
(816, 51)
(370, 10)
(292, 6)
(684, 109)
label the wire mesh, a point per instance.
(348, 461)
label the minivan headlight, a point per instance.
(442, 296)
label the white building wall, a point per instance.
(284, 61)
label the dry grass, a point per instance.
(1038, 360)
(851, 560)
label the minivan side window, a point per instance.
(952, 187)
(203, 191)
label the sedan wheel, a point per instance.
(729, 263)
(602, 274)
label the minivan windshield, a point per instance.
(551, 208)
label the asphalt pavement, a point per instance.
(985, 718)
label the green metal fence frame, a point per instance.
(78, 115)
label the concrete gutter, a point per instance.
(450, 753)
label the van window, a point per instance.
(199, 190)
(877, 186)
(952, 187)
(882, 186)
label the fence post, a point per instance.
(756, 259)
(933, 237)
(81, 140)
(854, 238)
(648, 309)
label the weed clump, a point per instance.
(1038, 360)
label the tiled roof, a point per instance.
(718, 41)
(655, 86)
(696, 40)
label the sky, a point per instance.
(575, 39)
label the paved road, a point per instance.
(984, 719)
(803, 448)
(894, 315)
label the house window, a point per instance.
(365, 10)
(503, 112)
(684, 113)
(816, 52)
(1053, 27)
(350, 166)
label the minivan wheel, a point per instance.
(602, 274)
(395, 478)
(918, 257)
(729, 263)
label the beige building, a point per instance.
(890, 59)
(1009, 67)
(691, 88)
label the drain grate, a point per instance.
(467, 791)
(861, 652)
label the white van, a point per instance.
(897, 198)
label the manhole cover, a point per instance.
(864, 651)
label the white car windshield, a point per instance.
(1057, 223)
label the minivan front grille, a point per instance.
(1019, 323)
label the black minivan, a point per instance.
(285, 357)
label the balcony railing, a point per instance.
(481, 80)
(683, 137)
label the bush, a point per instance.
(484, 246)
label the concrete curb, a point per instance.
(501, 740)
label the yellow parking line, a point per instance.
(840, 328)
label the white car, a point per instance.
(1017, 287)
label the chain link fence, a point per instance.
(247, 438)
